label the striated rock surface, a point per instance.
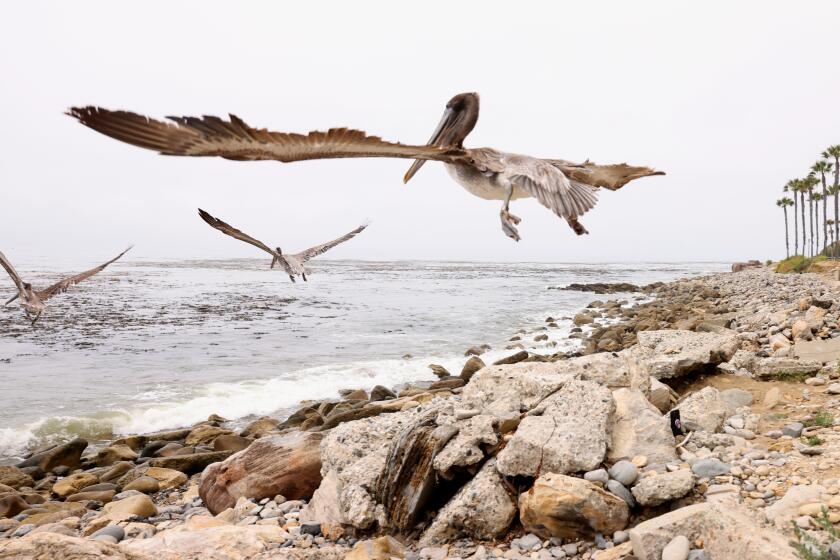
(704, 410)
(640, 429)
(482, 509)
(65, 455)
(288, 464)
(679, 352)
(565, 506)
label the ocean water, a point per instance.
(151, 345)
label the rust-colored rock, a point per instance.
(11, 504)
(566, 506)
(287, 464)
(14, 477)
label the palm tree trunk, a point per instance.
(787, 236)
(796, 224)
(802, 210)
(811, 225)
(836, 196)
(836, 221)
(825, 216)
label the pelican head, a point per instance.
(457, 122)
(279, 250)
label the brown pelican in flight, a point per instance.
(292, 264)
(568, 189)
(32, 300)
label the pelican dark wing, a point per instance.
(233, 139)
(228, 229)
(13, 274)
(611, 177)
(63, 285)
(324, 247)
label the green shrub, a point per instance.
(798, 264)
(809, 548)
(813, 440)
(821, 418)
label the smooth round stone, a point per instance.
(106, 538)
(624, 472)
(698, 554)
(677, 549)
(622, 492)
(529, 542)
(794, 429)
(620, 537)
(598, 475)
(709, 467)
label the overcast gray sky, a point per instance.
(731, 99)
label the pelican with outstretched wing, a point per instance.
(567, 189)
(294, 265)
(32, 300)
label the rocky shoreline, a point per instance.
(567, 455)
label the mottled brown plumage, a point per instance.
(568, 189)
(295, 264)
(31, 300)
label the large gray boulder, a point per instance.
(571, 434)
(639, 429)
(678, 352)
(704, 410)
(660, 488)
(482, 509)
(466, 448)
(513, 388)
(727, 531)
(627, 368)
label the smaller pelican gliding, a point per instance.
(31, 300)
(292, 264)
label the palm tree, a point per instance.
(808, 184)
(832, 240)
(822, 167)
(833, 191)
(833, 152)
(800, 188)
(790, 187)
(817, 197)
(783, 203)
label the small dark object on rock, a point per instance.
(313, 529)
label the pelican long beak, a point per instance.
(13, 298)
(443, 126)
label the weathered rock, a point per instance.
(470, 367)
(785, 509)
(821, 351)
(571, 434)
(54, 512)
(11, 504)
(801, 330)
(735, 399)
(116, 471)
(726, 532)
(512, 359)
(260, 427)
(205, 434)
(465, 448)
(482, 509)
(447, 383)
(678, 352)
(624, 472)
(227, 542)
(231, 442)
(14, 477)
(660, 488)
(144, 484)
(141, 506)
(639, 429)
(103, 496)
(617, 488)
(660, 396)
(566, 507)
(381, 393)
(68, 454)
(710, 467)
(780, 368)
(192, 463)
(383, 548)
(627, 368)
(287, 464)
(167, 478)
(677, 549)
(439, 370)
(49, 546)
(704, 410)
(513, 388)
(73, 483)
(107, 456)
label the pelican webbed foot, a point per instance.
(508, 224)
(304, 277)
(292, 278)
(35, 320)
